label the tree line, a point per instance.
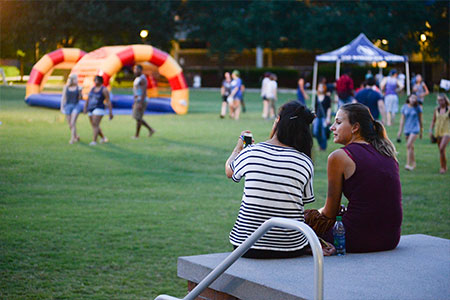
(38, 27)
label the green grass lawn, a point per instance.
(108, 222)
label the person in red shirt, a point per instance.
(344, 89)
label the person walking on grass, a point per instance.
(225, 91)
(323, 115)
(140, 103)
(302, 96)
(272, 95)
(411, 121)
(95, 106)
(71, 96)
(264, 91)
(235, 97)
(390, 85)
(420, 89)
(441, 126)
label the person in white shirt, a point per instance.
(272, 95)
(264, 86)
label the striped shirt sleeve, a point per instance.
(238, 165)
(308, 192)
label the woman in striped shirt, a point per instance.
(278, 182)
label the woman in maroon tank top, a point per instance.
(366, 171)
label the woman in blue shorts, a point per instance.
(235, 95)
(95, 105)
(70, 105)
(411, 120)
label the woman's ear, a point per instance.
(355, 128)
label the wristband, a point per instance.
(242, 137)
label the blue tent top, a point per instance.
(360, 50)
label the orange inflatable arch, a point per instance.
(106, 62)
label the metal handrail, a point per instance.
(250, 241)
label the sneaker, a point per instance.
(93, 143)
(104, 140)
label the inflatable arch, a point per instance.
(106, 62)
(64, 58)
(167, 67)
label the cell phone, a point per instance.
(248, 139)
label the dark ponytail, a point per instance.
(371, 130)
(293, 127)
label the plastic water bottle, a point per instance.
(339, 236)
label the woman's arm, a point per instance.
(336, 168)
(237, 149)
(108, 102)
(301, 84)
(421, 125)
(328, 120)
(234, 92)
(400, 127)
(86, 105)
(382, 110)
(433, 122)
(63, 99)
(426, 91)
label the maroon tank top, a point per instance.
(374, 213)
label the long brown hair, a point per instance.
(371, 130)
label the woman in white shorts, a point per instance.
(391, 85)
(95, 105)
(70, 105)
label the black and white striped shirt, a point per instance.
(278, 182)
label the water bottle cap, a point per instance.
(339, 218)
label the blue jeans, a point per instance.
(319, 131)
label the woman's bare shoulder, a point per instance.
(338, 156)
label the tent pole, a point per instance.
(338, 68)
(314, 86)
(408, 82)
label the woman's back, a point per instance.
(374, 212)
(278, 182)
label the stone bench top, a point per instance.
(419, 268)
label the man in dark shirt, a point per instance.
(372, 99)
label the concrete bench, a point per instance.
(419, 268)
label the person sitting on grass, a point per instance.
(366, 171)
(278, 183)
(71, 96)
(96, 107)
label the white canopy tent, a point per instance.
(360, 49)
